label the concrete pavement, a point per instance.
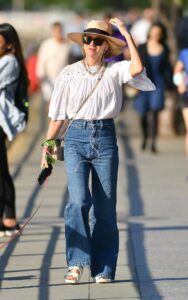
(152, 219)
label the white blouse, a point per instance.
(74, 84)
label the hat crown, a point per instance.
(101, 28)
(101, 25)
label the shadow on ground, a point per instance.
(135, 244)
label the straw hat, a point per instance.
(103, 29)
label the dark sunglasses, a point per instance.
(96, 41)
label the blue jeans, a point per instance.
(90, 147)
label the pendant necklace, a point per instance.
(92, 70)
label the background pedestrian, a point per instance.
(53, 55)
(12, 74)
(155, 57)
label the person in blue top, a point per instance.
(155, 57)
(181, 81)
(12, 74)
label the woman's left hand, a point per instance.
(136, 66)
(120, 25)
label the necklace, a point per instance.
(92, 70)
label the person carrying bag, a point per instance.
(90, 145)
(12, 120)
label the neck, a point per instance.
(153, 41)
(59, 41)
(92, 61)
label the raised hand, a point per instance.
(120, 25)
(136, 66)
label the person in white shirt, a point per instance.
(52, 56)
(141, 27)
(90, 145)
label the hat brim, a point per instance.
(116, 45)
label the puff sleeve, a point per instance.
(58, 103)
(140, 82)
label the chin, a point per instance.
(92, 55)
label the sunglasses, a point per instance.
(96, 41)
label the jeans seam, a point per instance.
(86, 263)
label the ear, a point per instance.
(10, 48)
(106, 47)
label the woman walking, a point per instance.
(12, 73)
(155, 56)
(90, 145)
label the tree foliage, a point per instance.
(87, 4)
(117, 5)
(92, 5)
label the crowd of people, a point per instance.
(83, 81)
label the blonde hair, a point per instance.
(108, 53)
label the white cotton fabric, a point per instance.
(74, 84)
(51, 58)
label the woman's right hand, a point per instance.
(179, 77)
(182, 88)
(44, 161)
(53, 130)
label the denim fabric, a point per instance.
(91, 148)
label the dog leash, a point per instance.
(25, 224)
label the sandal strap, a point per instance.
(78, 270)
(102, 278)
(76, 274)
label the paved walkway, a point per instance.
(152, 219)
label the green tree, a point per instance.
(117, 5)
(94, 5)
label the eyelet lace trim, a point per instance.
(77, 69)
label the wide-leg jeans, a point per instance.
(92, 239)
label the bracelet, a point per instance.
(48, 147)
(48, 143)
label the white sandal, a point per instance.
(73, 274)
(102, 279)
